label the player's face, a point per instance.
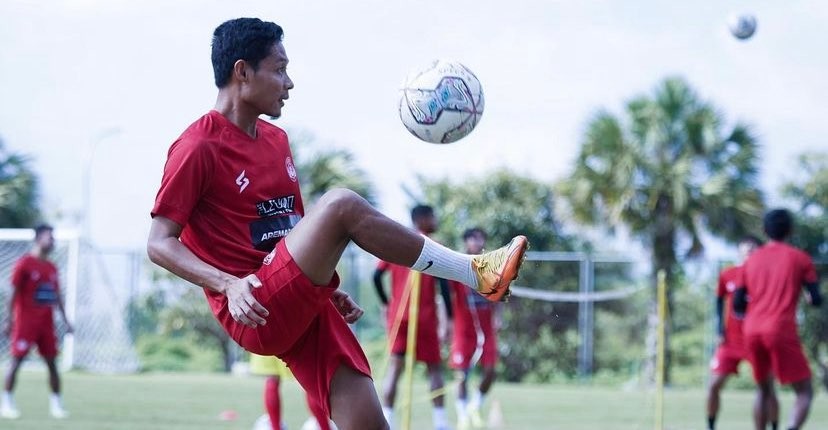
(267, 88)
(427, 224)
(475, 244)
(45, 241)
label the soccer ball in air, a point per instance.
(742, 26)
(441, 103)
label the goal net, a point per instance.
(95, 303)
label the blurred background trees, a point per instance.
(668, 169)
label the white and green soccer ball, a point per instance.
(442, 102)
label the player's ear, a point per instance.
(241, 70)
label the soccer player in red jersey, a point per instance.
(772, 279)
(397, 316)
(730, 351)
(229, 218)
(474, 341)
(36, 293)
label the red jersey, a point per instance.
(37, 289)
(774, 275)
(728, 283)
(464, 302)
(235, 196)
(399, 282)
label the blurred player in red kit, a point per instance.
(36, 291)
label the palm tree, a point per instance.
(18, 191)
(667, 169)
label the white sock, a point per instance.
(438, 261)
(8, 399)
(477, 400)
(388, 413)
(55, 401)
(439, 416)
(460, 405)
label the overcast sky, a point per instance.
(72, 71)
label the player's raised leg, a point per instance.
(318, 241)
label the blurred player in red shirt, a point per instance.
(474, 340)
(427, 342)
(229, 218)
(730, 351)
(772, 279)
(36, 291)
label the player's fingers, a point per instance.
(253, 310)
(240, 315)
(354, 313)
(254, 281)
(358, 312)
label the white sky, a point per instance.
(69, 70)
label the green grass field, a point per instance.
(195, 401)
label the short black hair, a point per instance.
(474, 231)
(248, 39)
(751, 239)
(41, 228)
(421, 211)
(778, 224)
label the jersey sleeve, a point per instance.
(186, 177)
(18, 274)
(382, 266)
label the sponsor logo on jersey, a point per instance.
(264, 233)
(242, 181)
(276, 206)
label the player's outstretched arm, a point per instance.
(380, 289)
(62, 309)
(165, 250)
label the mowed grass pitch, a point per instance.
(195, 401)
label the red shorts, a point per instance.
(726, 360)
(303, 328)
(427, 349)
(29, 333)
(779, 352)
(471, 346)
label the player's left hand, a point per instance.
(346, 306)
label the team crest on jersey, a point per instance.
(730, 286)
(291, 169)
(269, 258)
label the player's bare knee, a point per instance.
(342, 203)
